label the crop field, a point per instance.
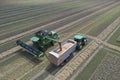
(89, 69)
(104, 65)
(114, 38)
(98, 20)
(108, 69)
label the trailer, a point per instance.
(59, 55)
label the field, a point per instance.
(87, 72)
(113, 39)
(108, 69)
(104, 65)
(92, 18)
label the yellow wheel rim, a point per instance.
(80, 47)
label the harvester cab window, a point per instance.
(50, 34)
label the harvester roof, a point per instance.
(35, 39)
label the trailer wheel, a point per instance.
(62, 64)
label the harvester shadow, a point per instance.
(30, 58)
(52, 69)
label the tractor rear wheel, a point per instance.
(80, 47)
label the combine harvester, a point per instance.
(44, 39)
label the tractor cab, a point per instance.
(81, 41)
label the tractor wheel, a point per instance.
(80, 47)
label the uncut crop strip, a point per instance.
(73, 65)
(17, 48)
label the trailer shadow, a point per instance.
(30, 58)
(52, 69)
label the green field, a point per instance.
(108, 69)
(94, 63)
(113, 38)
(89, 69)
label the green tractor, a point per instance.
(81, 41)
(42, 40)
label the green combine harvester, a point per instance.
(41, 41)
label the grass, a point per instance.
(113, 38)
(89, 69)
